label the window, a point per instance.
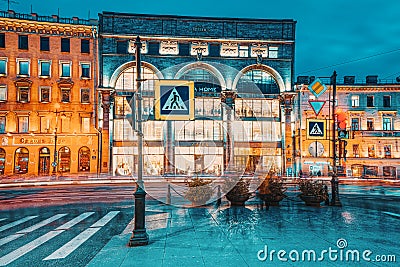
(355, 124)
(44, 124)
(23, 42)
(370, 124)
(2, 124)
(2, 40)
(23, 94)
(273, 52)
(388, 151)
(122, 47)
(44, 68)
(371, 151)
(23, 124)
(85, 48)
(3, 67)
(370, 101)
(44, 94)
(23, 67)
(85, 95)
(44, 44)
(85, 70)
(3, 92)
(85, 125)
(65, 44)
(355, 101)
(387, 124)
(65, 95)
(65, 69)
(356, 151)
(386, 101)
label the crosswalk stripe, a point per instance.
(74, 221)
(3, 219)
(30, 229)
(8, 226)
(73, 244)
(41, 224)
(16, 254)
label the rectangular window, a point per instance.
(356, 151)
(85, 125)
(23, 94)
(3, 67)
(3, 92)
(355, 101)
(65, 95)
(65, 69)
(2, 40)
(370, 101)
(23, 124)
(388, 151)
(371, 151)
(273, 52)
(44, 44)
(370, 124)
(44, 68)
(65, 44)
(2, 124)
(387, 124)
(386, 101)
(23, 42)
(44, 124)
(85, 95)
(85, 46)
(44, 94)
(355, 124)
(23, 67)
(85, 70)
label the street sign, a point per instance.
(317, 88)
(174, 100)
(317, 105)
(316, 129)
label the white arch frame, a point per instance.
(277, 77)
(130, 64)
(202, 65)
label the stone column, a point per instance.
(228, 108)
(169, 150)
(288, 151)
(105, 133)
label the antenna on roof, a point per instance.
(8, 3)
(89, 14)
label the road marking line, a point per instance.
(392, 214)
(77, 241)
(41, 224)
(16, 254)
(103, 221)
(9, 238)
(2, 219)
(8, 226)
(74, 221)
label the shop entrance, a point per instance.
(21, 160)
(84, 159)
(44, 161)
(2, 160)
(64, 159)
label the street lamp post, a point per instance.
(139, 236)
(54, 163)
(334, 181)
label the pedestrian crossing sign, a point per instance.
(174, 100)
(316, 129)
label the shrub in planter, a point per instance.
(313, 192)
(199, 191)
(237, 190)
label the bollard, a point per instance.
(168, 200)
(219, 195)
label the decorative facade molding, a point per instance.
(169, 48)
(229, 50)
(199, 47)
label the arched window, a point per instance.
(64, 159)
(2, 160)
(21, 160)
(256, 82)
(84, 159)
(44, 161)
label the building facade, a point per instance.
(48, 101)
(367, 123)
(243, 75)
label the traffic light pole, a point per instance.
(334, 181)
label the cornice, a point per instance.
(28, 26)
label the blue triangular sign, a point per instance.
(316, 106)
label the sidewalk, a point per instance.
(239, 236)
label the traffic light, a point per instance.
(341, 120)
(344, 150)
